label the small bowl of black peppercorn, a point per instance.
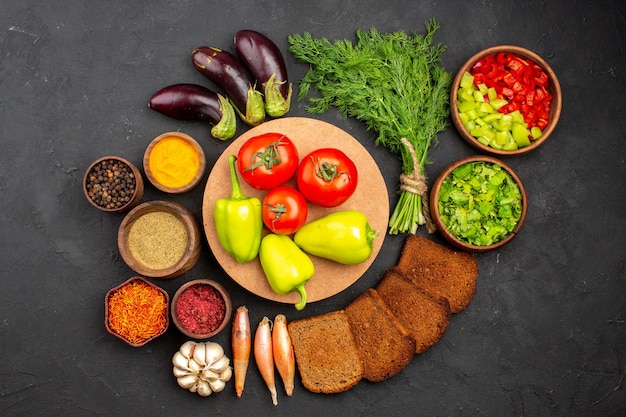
(113, 184)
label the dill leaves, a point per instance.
(394, 84)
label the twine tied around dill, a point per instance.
(415, 183)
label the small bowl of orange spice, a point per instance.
(174, 162)
(136, 311)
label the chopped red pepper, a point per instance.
(542, 79)
(509, 79)
(494, 72)
(520, 81)
(518, 87)
(516, 66)
(501, 58)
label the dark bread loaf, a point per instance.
(384, 345)
(440, 271)
(326, 353)
(424, 317)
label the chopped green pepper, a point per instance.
(239, 220)
(344, 236)
(480, 203)
(286, 267)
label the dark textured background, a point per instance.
(545, 334)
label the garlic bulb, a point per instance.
(202, 368)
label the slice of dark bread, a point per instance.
(326, 353)
(440, 271)
(423, 316)
(384, 345)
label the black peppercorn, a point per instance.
(110, 184)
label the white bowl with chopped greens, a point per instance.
(478, 203)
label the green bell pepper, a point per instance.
(344, 236)
(239, 220)
(286, 267)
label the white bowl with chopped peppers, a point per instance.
(505, 100)
(478, 203)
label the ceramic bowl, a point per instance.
(160, 239)
(136, 288)
(113, 184)
(436, 215)
(211, 305)
(174, 162)
(554, 89)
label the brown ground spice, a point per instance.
(157, 239)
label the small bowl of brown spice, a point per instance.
(160, 239)
(113, 184)
(201, 308)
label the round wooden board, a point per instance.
(370, 198)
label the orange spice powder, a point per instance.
(174, 162)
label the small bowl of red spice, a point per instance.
(113, 184)
(505, 100)
(201, 308)
(136, 311)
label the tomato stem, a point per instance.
(267, 158)
(326, 170)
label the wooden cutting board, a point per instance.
(370, 197)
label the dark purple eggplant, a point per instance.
(227, 72)
(265, 62)
(197, 103)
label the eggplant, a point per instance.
(196, 103)
(227, 72)
(265, 62)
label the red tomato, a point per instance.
(267, 161)
(327, 177)
(284, 210)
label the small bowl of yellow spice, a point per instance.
(160, 239)
(174, 162)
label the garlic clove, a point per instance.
(217, 385)
(199, 354)
(187, 381)
(178, 372)
(195, 366)
(213, 351)
(226, 374)
(219, 365)
(209, 375)
(180, 361)
(204, 389)
(187, 348)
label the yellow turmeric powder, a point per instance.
(174, 162)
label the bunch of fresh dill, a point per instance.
(395, 84)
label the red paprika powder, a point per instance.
(200, 309)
